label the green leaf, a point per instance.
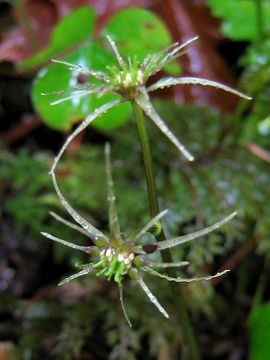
(240, 17)
(71, 30)
(138, 32)
(259, 332)
(57, 76)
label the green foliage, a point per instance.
(70, 31)
(92, 55)
(221, 180)
(28, 182)
(224, 178)
(30, 197)
(259, 332)
(73, 321)
(138, 32)
(255, 80)
(239, 17)
(57, 76)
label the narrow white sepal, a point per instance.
(73, 95)
(93, 233)
(68, 223)
(113, 217)
(144, 102)
(167, 265)
(123, 305)
(88, 120)
(180, 279)
(170, 81)
(72, 277)
(116, 52)
(166, 244)
(151, 296)
(86, 249)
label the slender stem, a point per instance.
(147, 160)
(187, 327)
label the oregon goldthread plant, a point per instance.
(115, 256)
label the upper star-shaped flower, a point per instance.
(129, 79)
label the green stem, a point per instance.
(188, 331)
(147, 160)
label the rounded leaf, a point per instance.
(59, 77)
(75, 27)
(139, 32)
(239, 17)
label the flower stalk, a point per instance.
(147, 160)
(186, 325)
(114, 256)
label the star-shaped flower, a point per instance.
(129, 79)
(115, 256)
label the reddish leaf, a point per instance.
(27, 124)
(23, 40)
(102, 7)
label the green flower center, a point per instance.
(114, 263)
(127, 79)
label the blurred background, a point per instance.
(228, 136)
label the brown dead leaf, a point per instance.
(187, 19)
(24, 40)
(5, 350)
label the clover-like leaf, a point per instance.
(239, 17)
(61, 78)
(65, 35)
(139, 32)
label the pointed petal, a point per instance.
(79, 68)
(86, 249)
(166, 244)
(123, 305)
(164, 57)
(68, 223)
(74, 95)
(93, 233)
(72, 277)
(148, 226)
(113, 218)
(169, 81)
(80, 87)
(151, 297)
(71, 66)
(180, 279)
(116, 52)
(168, 265)
(143, 101)
(151, 61)
(88, 120)
(174, 53)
